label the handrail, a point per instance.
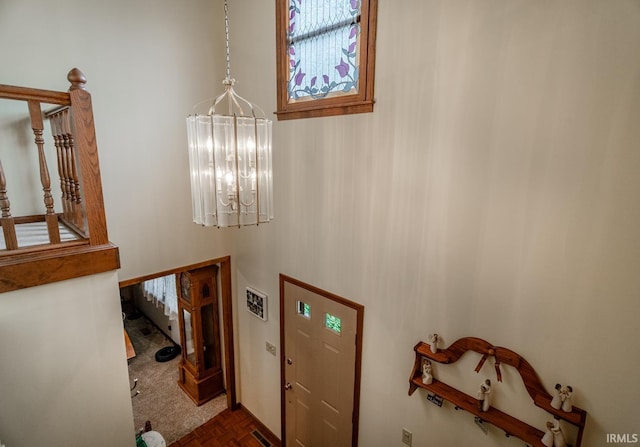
(34, 94)
(78, 167)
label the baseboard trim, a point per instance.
(262, 428)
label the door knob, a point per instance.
(289, 361)
(287, 386)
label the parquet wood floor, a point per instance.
(228, 429)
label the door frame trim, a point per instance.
(227, 316)
(359, 308)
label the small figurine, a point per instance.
(547, 439)
(566, 399)
(487, 395)
(434, 339)
(556, 402)
(484, 395)
(558, 436)
(427, 375)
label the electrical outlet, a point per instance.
(406, 436)
(271, 349)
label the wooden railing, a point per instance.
(73, 209)
(85, 249)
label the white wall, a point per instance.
(63, 369)
(492, 193)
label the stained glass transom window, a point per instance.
(332, 322)
(323, 39)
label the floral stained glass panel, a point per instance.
(323, 47)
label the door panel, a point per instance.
(303, 419)
(321, 362)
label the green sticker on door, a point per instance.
(333, 323)
(303, 309)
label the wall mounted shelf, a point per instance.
(503, 356)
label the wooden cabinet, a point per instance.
(200, 368)
(502, 356)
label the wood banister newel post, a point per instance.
(87, 153)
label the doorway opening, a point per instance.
(156, 396)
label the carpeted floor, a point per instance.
(161, 401)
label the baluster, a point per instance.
(76, 196)
(66, 157)
(8, 226)
(64, 182)
(38, 126)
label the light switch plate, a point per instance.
(406, 437)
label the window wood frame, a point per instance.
(361, 102)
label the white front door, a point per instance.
(321, 366)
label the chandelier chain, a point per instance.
(226, 35)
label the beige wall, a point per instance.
(63, 375)
(63, 370)
(492, 193)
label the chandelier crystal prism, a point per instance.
(230, 159)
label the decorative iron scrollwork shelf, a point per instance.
(510, 425)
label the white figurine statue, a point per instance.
(427, 375)
(434, 342)
(566, 393)
(484, 395)
(487, 395)
(558, 436)
(556, 402)
(547, 439)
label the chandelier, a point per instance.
(230, 159)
